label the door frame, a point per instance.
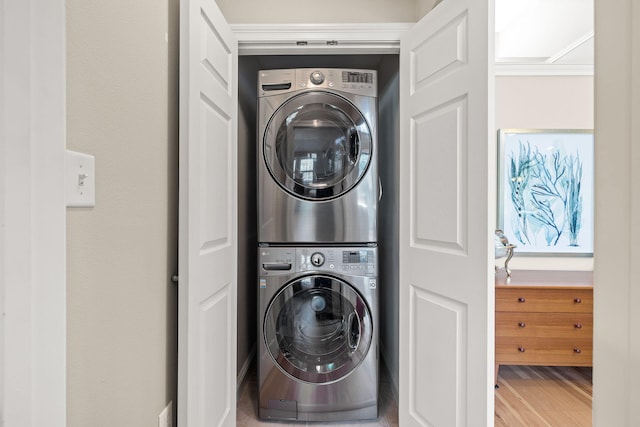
(32, 213)
(312, 39)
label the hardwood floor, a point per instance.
(534, 396)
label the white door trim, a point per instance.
(32, 213)
(616, 332)
(290, 39)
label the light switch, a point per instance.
(81, 180)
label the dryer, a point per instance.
(318, 333)
(317, 156)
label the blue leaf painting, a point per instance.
(546, 195)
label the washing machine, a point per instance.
(318, 333)
(317, 156)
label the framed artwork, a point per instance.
(545, 190)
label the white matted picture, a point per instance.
(545, 190)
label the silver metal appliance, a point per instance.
(318, 333)
(317, 162)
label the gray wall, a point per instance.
(389, 146)
(121, 306)
(247, 226)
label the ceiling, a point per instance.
(558, 32)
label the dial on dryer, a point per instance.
(317, 77)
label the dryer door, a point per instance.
(317, 145)
(318, 329)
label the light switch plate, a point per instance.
(81, 180)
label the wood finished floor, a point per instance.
(535, 396)
(529, 396)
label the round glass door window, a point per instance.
(318, 329)
(317, 145)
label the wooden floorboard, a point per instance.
(543, 396)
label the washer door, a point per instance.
(317, 145)
(318, 329)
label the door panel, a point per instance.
(207, 229)
(438, 358)
(446, 218)
(439, 217)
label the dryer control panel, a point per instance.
(354, 261)
(356, 81)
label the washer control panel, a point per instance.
(355, 261)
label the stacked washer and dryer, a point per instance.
(318, 191)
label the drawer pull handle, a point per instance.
(521, 299)
(522, 324)
(577, 300)
(578, 325)
(521, 349)
(577, 350)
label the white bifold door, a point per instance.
(207, 224)
(446, 140)
(446, 210)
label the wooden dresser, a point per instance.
(544, 318)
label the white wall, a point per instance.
(328, 11)
(545, 102)
(122, 108)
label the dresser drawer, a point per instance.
(558, 325)
(533, 299)
(543, 351)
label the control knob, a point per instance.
(317, 259)
(317, 77)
